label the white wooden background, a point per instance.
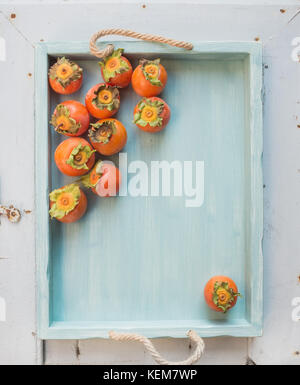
(22, 25)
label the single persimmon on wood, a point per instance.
(108, 136)
(67, 204)
(116, 69)
(65, 76)
(221, 293)
(149, 78)
(74, 156)
(104, 179)
(151, 114)
(102, 101)
(70, 118)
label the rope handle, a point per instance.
(195, 356)
(108, 50)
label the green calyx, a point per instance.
(86, 180)
(99, 100)
(152, 106)
(64, 200)
(62, 121)
(153, 80)
(223, 296)
(102, 132)
(65, 71)
(113, 65)
(79, 157)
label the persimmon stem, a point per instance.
(58, 127)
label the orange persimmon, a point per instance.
(116, 69)
(104, 179)
(67, 204)
(70, 118)
(74, 156)
(65, 76)
(221, 293)
(108, 136)
(102, 101)
(149, 78)
(151, 114)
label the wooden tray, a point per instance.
(140, 264)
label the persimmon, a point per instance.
(65, 76)
(108, 136)
(149, 78)
(67, 204)
(151, 114)
(104, 179)
(116, 69)
(221, 293)
(102, 101)
(70, 118)
(74, 156)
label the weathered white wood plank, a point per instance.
(76, 21)
(281, 341)
(223, 350)
(200, 2)
(17, 268)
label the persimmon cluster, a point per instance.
(107, 136)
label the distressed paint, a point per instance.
(130, 284)
(17, 243)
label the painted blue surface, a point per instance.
(140, 264)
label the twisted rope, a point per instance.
(108, 50)
(196, 355)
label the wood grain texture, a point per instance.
(107, 352)
(151, 281)
(17, 255)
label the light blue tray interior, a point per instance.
(148, 258)
(141, 263)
